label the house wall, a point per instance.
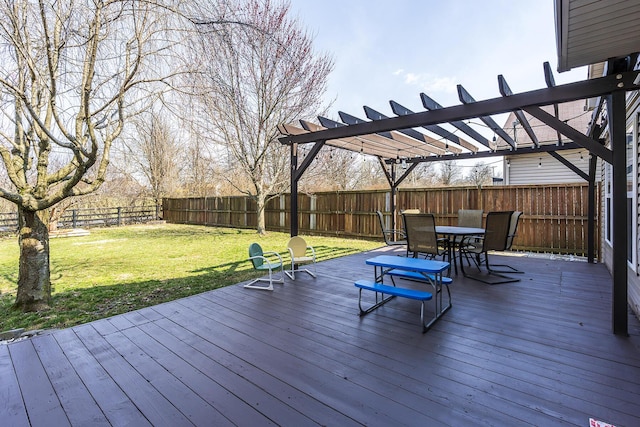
(544, 169)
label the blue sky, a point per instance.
(396, 49)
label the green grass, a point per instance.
(115, 270)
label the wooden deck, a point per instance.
(537, 352)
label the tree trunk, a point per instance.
(260, 202)
(34, 280)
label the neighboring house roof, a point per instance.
(573, 113)
(588, 32)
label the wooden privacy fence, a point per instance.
(554, 216)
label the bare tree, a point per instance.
(257, 76)
(153, 150)
(480, 174)
(449, 172)
(71, 74)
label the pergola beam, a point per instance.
(547, 96)
(504, 152)
(576, 136)
(398, 136)
(569, 165)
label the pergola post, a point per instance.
(294, 190)
(616, 109)
(394, 197)
(591, 215)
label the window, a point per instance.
(608, 203)
(631, 193)
(633, 133)
(633, 138)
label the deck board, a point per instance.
(535, 352)
(77, 402)
(40, 399)
(147, 398)
(11, 404)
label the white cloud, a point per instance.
(427, 82)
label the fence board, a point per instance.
(554, 216)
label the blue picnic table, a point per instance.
(417, 269)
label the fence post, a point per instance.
(119, 216)
(74, 218)
(312, 214)
(282, 212)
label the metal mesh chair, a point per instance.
(496, 238)
(265, 261)
(513, 227)
(422, 237)
(470, 218)
(391, 237)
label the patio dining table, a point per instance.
(452, 232)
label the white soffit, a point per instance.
(591, 31)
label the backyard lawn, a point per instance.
(115, 270)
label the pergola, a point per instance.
(394, 140)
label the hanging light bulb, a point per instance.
(404, 163)
(540, 162)
(494, 136)
(508, 163)
(581, 158)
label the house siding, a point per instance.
(544, 169)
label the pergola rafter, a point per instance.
(466, 98)
(372, 137)
(399, 110)
(430, 104)
(505, 90)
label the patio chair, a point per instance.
(496, 238)
(301, 254)
(422, 237)
(470, 218)
(513, 227)
(265, 261)
(391, 237)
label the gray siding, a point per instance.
(544, 169)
